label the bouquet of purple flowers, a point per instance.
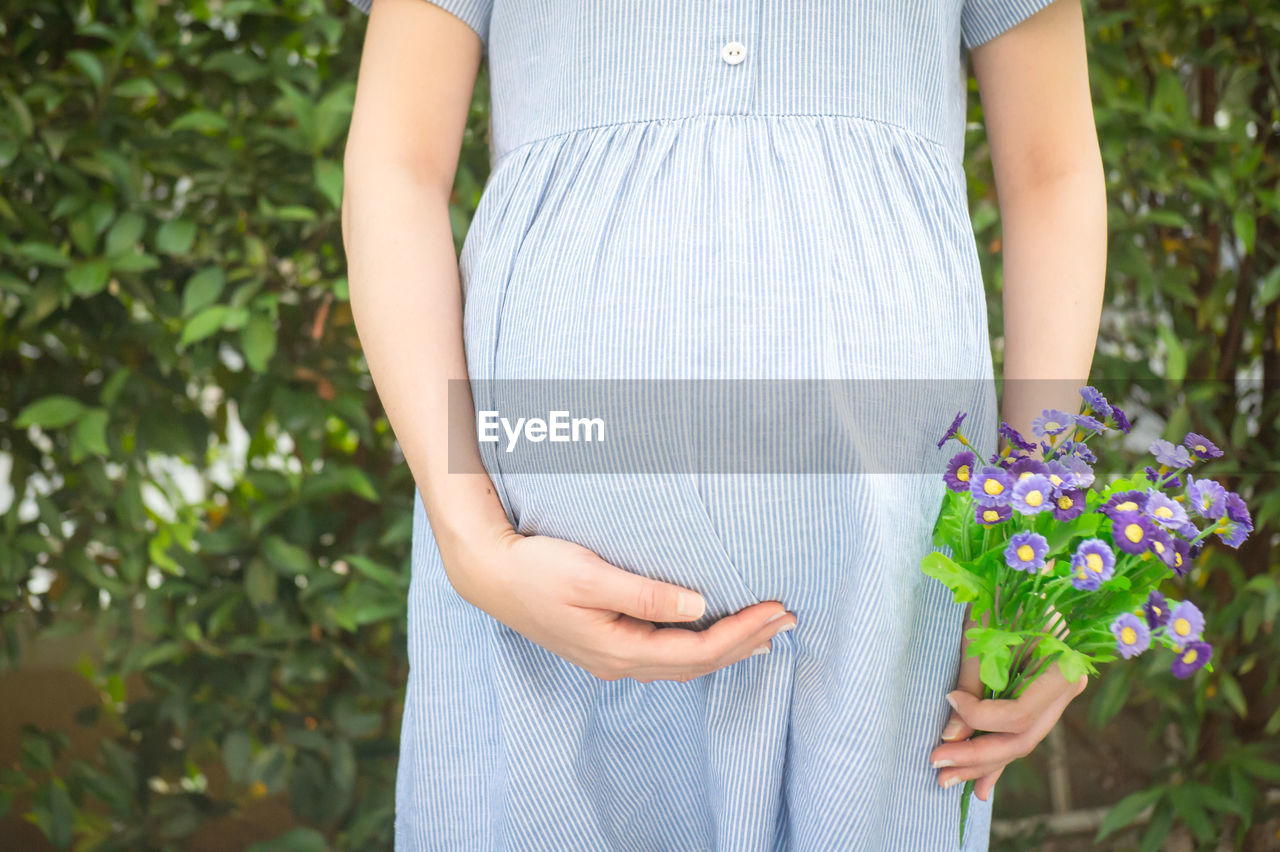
(1058, 571)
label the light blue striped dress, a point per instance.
(747, 189)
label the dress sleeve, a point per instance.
(473, 13)
(983, 20)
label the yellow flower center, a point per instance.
(1201, 448)
(990, 516)
(1177, 558)
(1182, 627)
(1065, 502)
(1128, 636)
(1126, 506)
(1026, 553)
(1055, 479)
(1034, 498)
(1081, 574)
(992, 486)
(962, 473)
(1094, 561)
(1190, 656)
(1163, 512)
(1050, 425)
(1157, 545)
(1133, 532)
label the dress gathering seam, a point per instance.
(914, 134)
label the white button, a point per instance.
(733, 52)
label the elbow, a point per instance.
(1043, 171)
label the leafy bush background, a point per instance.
(202, 477)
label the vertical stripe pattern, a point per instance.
(658, 212)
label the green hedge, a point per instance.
(172, 282)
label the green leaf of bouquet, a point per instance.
(1061, 534)
(1127, 809)
(1075, 664)
(995, 669)
(994, 647)
(966, 585)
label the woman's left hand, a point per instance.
(1012, 727)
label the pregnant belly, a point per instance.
(674, 267)
(725, 250)
(823, 545)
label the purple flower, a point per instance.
(1187, 529)
(1131, 530)
(1168, 479)
(1078, 449)
(1124, 501)
(1092, 564)
(1191, 658)
(1164, 510)
(1132, 635)
(1060, 476)
(1186, 623)
(1095, 400)
(1170, 455)
(1052, 422)
(1026, 466)
(990, 486)
(1207, 498)
(1235, 527)
(1068, 503)
(1201, 447)
(1093, 424)
(1156, 609)
(1025, 551)
(1182, 554)
(1122, 422)
(959, 471)
(1160, 543)
(1080, 470)
(952, 430)
(991, 514)
(1015, 439)
(1032, 494)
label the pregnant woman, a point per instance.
(766, 190)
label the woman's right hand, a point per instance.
(598, 616)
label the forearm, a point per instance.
(407, 305)
(1054, 250)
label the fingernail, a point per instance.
(688, 604)
(784, 628)
(952, 728)
(773, 618)
(950, 782)
(763, 649)
(943, 763)
(951, 701)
